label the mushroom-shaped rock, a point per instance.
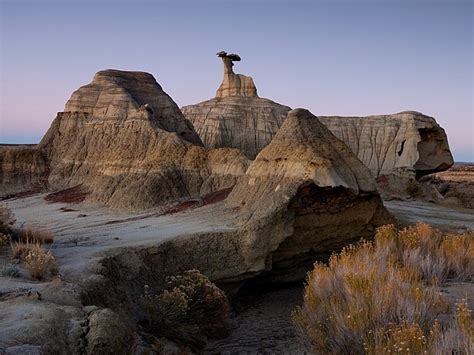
(236, 118)
(234, 84)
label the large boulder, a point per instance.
(236, 117)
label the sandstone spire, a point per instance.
(234, 84)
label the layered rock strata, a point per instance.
(126, 142)
(22, 168)
(236, 117)
(403, 143)
(304, 195)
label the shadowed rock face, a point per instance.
(236, 117)
(127, 143)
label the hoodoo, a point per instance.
(236, 117)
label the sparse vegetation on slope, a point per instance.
(384, 297)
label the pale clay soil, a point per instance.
(262, 326)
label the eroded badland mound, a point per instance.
(124, 140)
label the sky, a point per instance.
(358, 57)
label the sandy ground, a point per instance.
(85, 232)
(445, 218)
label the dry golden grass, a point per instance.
(34, 235)
(384, 297)
(39, 262)
(20, 250)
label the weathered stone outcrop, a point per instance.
(127, 143)
(22, 168)
(305, 195)
(126, 95)
(236, 117)
(403, 143)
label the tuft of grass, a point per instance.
(20, 250)
(39, 262)
(34, 235)
(384, 297)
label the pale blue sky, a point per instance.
(332, 57)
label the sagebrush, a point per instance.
(384, 297)
(40, 263)
(189, 311)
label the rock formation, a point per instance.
(22, 168)
(403, 143)
(396, 147)
(124, 140)
(304, 194)
(236, 117)
(234, 84)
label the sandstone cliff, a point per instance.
(236, 117)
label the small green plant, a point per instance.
(189, 311)
(9, 270)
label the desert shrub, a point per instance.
(189, 311)
(7, 219)
(4, 239)
(381, 296)
(413, 188)
(39, 262)
(20, 250)
(9, 270)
